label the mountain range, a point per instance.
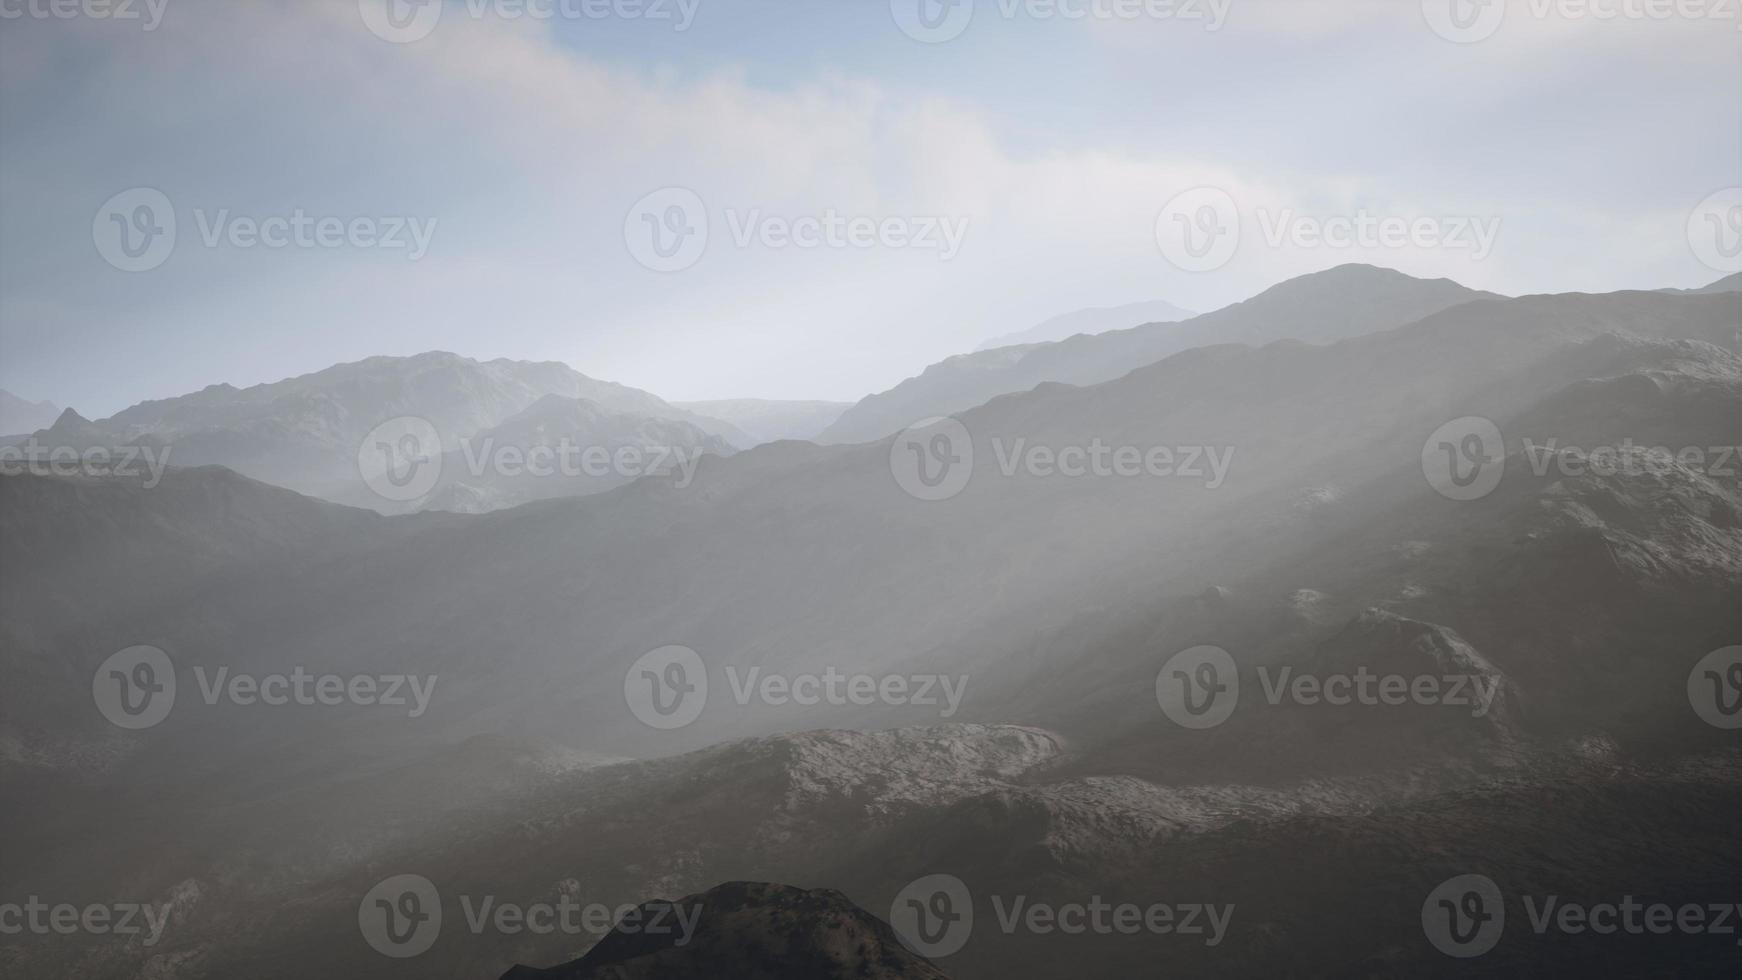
(1578, 597)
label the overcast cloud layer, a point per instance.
(521, 148)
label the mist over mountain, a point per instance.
(1571, 600)
(307, 433)
(771, 421)
(19, 416)
(1343, 302)
(1099, 319)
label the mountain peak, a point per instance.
(745, 928)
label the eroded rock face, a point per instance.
(748, 931)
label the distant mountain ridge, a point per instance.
(305, 433)
(19, 417)
(772, 421)
(1094, 320)
(1347, 301)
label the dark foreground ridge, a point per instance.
(751, 931)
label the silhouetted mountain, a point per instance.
(751, 931)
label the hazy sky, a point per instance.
(525, 149)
